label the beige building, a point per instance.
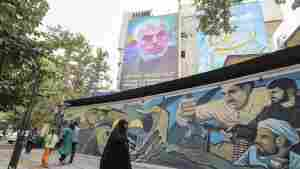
(189, 51)
(276, 21)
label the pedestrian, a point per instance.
(51, 140)
(75, 140)
(116, 152)
(31, 139)
(66, 147)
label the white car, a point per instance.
(12, 137)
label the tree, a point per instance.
(21, 55)
(22, 17)
(20, 52)
(72, 70)
(81, 66)
(97, 77)
(214, 16)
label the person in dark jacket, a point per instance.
(285, 104)
(116, 152)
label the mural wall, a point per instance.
(249, 37)
(253, 124)
(150, 52)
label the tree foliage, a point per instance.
(20, 53)
(31, 60)
(81, 66)
(214, 16)
(73, 69)
(22, 16)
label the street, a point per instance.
(5, 145)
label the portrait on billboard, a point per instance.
(150, 51)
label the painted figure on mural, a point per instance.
(223, 124)
(240, 105)
(156, 135)
(294, 157)
(272, 144)
(285, 104)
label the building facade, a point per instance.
(267, 31)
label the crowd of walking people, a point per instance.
(63, 142)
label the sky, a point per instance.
(100, 21)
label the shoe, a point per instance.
(44, 166)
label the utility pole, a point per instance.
(26, 121)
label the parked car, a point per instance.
(1, 133)
(12, 137)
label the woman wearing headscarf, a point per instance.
(116, 152)
(66, 148)
(50, 141)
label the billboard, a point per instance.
(150, 54)
(239, 124)
(249, 37)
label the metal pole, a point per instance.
(24, 125)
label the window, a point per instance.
(183, 54)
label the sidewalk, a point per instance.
(81, 161)
(32, 161)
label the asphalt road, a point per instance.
(5, 145)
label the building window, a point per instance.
(182, 54)
(184, 35)
(280, 1)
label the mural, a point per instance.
(150, 53)
(249, 37)
(253, 124)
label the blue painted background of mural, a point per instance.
(250, 37)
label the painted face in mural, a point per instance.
(277, 95)
(265, 142)
(153, 39)
(236, 96)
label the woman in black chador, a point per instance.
(116, 152)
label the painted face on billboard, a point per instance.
(277, 95)
(265, 142)
(235, 97)
(153, 38)
(150, 53)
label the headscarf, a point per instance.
(116, 146)
(281, 128)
